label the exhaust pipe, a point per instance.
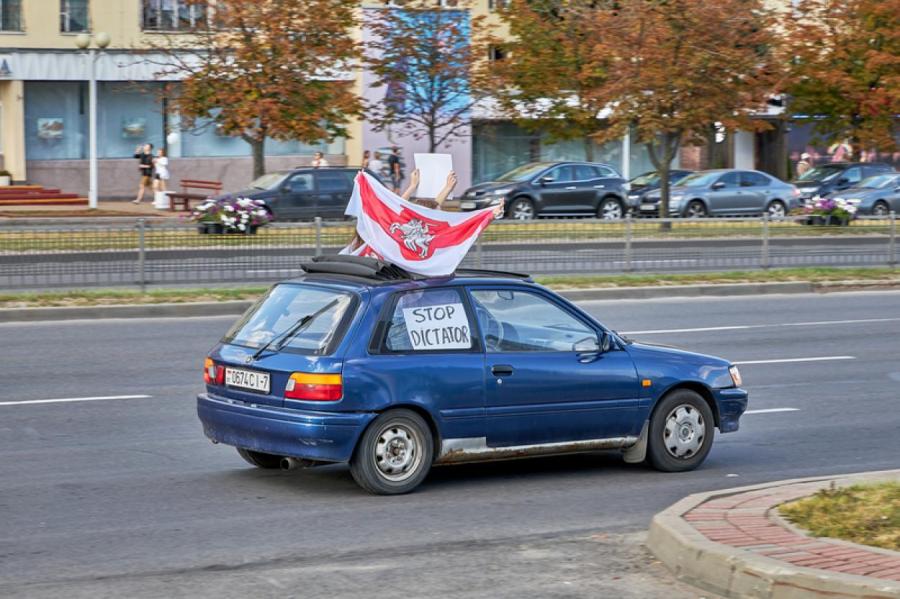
(288, 463)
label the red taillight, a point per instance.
(213, 374)
(314, 387)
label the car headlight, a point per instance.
(852, 201)
(735, 376)
(677, 198)
(634, 196)
(502, 192)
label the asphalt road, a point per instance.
(269, 264)
(127, 498)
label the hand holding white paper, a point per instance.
(433, 171)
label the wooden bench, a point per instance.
(193, 189)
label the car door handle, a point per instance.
(501, 370)
(599, 186)
(571, 187)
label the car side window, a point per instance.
(561, 174)
(753, 180)
(300, 182)
(431, 320)
(585, 172)
(729, 180)
(519, 321)
(332, 181)
(853, 175)
(605, 171)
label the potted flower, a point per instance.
(5, 178)
(828, 211)
(231, 215)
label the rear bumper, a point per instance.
(323, 436)
(731, 403)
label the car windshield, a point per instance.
(820, 173)
(879, 181)
(651, 178)
(700, 179)
(268, 181)
(284, 307)
(524, 172)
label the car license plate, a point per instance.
(467, 205)
(648, 206)
(247, 379)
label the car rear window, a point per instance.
(302, 319)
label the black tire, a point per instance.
(610, 208)
(881, 208)
(521, 209)
(266, 461)
(776, 209)
(691, 417)
(398, 432)
(696, 209)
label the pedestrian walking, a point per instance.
(319, 160)
(395, 169)
(804, 164)
(144, 155)
(365, 159)
(160, 170)
(376, 166)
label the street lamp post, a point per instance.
(83, 42)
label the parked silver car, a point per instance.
(878, 195)
(730, 192)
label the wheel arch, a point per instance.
(523, 195)
(427, 416)
(699, 388)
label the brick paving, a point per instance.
(746, 521)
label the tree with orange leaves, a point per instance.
(267, 69)
(845, 57)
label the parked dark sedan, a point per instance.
(640, 187)
(878, 195)
(836, 176)
(553, 189)
(303, 193)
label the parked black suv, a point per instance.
(304, 193)
(640, 187)
(553, 189)
(836, 176)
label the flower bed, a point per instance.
(231, 215)
(827, 211)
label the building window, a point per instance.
(10, 15)
(73, 16)
(496, 53)
(497, 4)
(173, 15)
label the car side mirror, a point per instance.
(843, 181)
(605, 342)
(547, 179)
(588, 345)
(718, 185)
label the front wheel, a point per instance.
(776, 209)
(696, 209)
(880, 209)
(681, 432)
(394, 455)
(521, 209)
(610, 209)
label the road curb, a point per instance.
(734, 572)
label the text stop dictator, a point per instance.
(438, 327)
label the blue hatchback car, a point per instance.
(358, 361)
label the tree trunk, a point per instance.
(432, 140)
(588, 149)
(662, 152)
(259, 156)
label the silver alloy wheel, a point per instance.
(610, 210)
(397, 452)
(522, 210)
(685, 432)
(880, 209)
(696, 210)
(776, 210)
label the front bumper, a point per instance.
(469, 204)
(732, 403)
(321, 436)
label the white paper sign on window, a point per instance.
(444, 326)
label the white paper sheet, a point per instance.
(433, 171)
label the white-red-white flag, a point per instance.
(421, 240)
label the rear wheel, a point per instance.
(521, 209)
(394, 455)
(681, 432)
(881, 209)
(696, 209)
(776, 209)
(266, 461)
(610, 209)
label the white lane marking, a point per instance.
(740, 327)
(786, 360)
(71, 399)
(772, 410)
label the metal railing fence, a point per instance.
(36, 256)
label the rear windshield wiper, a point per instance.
(286, 336)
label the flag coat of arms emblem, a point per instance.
(421, 240)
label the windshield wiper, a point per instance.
(286, 336)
